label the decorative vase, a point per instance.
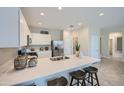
(33, 62)
(77, 53)
(20, 62)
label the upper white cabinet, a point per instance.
(9, 30)
(40, 39)
(13, 28)
(24, 30)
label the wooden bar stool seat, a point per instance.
(62, 81)
(91, 69)
(77, 75)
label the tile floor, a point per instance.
(111, 72)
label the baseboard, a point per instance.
(105, 57)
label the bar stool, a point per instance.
(78, 75)
(92, 75)
(62, 81)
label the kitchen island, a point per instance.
(44, 70)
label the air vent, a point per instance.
(44, 32)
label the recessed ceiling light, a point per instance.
(101, 14)
(59, 8)
(42, 14)
(40, 23)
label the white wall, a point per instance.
(94, 42)
(68, 42)
(104, 44)
(83, 39)
(9, 31)
(105, 40)
(89, 40)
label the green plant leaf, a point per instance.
(77, 46)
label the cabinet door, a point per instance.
(42, 54)
(40, 39)
(45, 39)
(24, 30)
(9, 31)
(35, 40)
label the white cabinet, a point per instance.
(9, 31)
(40, 39)
(24, 30)
(45, 39)
(43, 54)
(13, 28)
(35, 39)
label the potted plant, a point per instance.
(77, 46)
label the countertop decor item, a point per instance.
(32, 54)
(32, 49)
(81, 54)
(41, 48)
(77, 49)
(32, 62)
(20, 62)
(59, 58)
(46, 48)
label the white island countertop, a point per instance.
(45, 67)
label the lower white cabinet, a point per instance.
(42, 54)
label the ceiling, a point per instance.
(61, 19)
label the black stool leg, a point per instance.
(91, 79)
(78, 82)
(83, 83)
(97, 79)
(71, 81)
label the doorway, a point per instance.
(110, 47)
(115, 44)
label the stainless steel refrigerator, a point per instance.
(57, 48)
